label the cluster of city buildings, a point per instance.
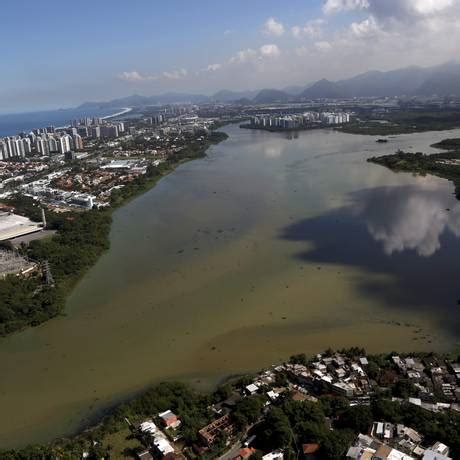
(96, 128)
(49, 166)
(327, 374)
(65, 189)
(332, 374)
(14, 173)
(55, 141)
(298, 121)
(388, 441)
(55, 198)
(436, 382)
(156, 119)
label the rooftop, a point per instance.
(12, 225)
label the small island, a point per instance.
(448, 144)
(445, 165)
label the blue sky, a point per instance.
(59, 54)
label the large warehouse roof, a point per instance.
(12, 225)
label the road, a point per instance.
(232, 452)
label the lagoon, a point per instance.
(273, 244)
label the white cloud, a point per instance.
(410, 11)
(393, 34)
(243, 56)
(366, 28)
(175, 74)
(336, 6)
(250, 55)
(302, 51)
(380, 35)
(323, 46)
(273, 27)
(312, 29)
(270, 51)
(213, 67)
(296, 31)
(431, 6)
(135, 76)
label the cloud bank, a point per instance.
(349, 37)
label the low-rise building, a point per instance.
(169, 419)
(210, 433)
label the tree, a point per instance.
(404, 388)
(335, 445)
(308, 431)
(333, 406)
(303, 411)
(300, 358)
(384, 409)
(356, 418)
(275, 431)
(373, 370)
(223, 392)
(248, 410)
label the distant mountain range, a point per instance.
(443, 80)
(142, 101)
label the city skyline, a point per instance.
(104, 51)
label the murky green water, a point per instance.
(270, 246)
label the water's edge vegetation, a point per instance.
(90, 233)
(445, 165)
(80, 239)
(288, 424)
(403, 122)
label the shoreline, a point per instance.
(121, 420)
(123, 112)
(107, 117)
(116, 405)
(444, 165)
(67, 284)
(15, 123)
(345, 130)
(272, 129)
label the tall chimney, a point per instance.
(43, 218)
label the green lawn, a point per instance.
(119, 442)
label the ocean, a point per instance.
(18, 122)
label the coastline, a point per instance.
(107, 117)
(123, 112)
(15, 123)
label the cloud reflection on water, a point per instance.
(408, 218)
(420, 240)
